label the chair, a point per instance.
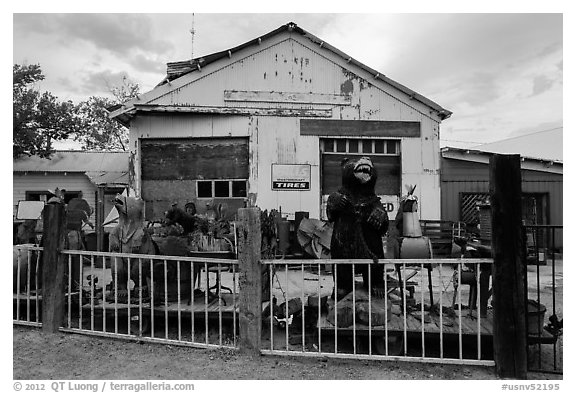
(214, 291)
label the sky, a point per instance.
(500, 74)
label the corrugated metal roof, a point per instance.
(109, 178)
(474, 155)
(101, 167)
(180, 68)
(545, 145)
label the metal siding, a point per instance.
(462, 176)
(291, 65)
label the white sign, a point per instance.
(29, 210)
(391, 204)
(291, 177)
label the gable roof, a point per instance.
(545, 145)
(102, 167)
(178, 69)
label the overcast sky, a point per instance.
(500, 74)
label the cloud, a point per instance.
(121, 34)
(143, 63)
(98, 83)
(541, 83)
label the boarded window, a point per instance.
(191, 159)
(184, 170)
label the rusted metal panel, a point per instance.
(177, 159)
(286, 97)
(369, 128)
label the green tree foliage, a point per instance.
(39, 119)
(96, 130)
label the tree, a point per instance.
(96, 130)
(39, 119)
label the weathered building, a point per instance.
(268, 122)
(99, 175)
(465, 181)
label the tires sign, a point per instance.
(290, 177)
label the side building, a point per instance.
(465, 183)
(98, 175)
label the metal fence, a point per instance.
(156, 298)
(544, 294)
(26, 284)
(417, 313)
(423, 310)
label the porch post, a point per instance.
(53, 267)
(508, 247)
(249, 280)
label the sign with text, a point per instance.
(391, 204)
(291, 177)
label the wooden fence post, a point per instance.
(249, 280)
(508, 275)
(53, 267)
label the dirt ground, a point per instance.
(37, 355)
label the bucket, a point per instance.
(411, 225)
(536, 313)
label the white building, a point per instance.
(267, 124)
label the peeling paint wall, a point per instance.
(277, 83)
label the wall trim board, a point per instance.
(286, 97)
(401, 129)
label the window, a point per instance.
(384, 147)
(239, 188)
(37, 196)
(45, 195)
(221, 188)
(205, 189)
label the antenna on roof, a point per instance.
(192, 32)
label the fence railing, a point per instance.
(159, 298)
(392, 318)
(544, 295)
(26, 284)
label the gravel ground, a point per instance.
(38, 355)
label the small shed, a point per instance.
(267, 123)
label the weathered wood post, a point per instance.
(249, 280)
(53, 267)
(508, 275)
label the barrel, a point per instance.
(536, 313)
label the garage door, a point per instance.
(385, 155)
(199, 170)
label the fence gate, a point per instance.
(544, 295)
